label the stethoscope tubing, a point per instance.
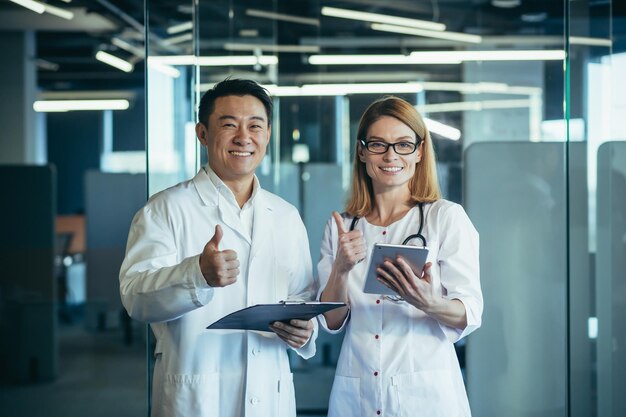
(418, 235)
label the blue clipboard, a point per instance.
(260, 316)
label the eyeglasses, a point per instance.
(401, 148)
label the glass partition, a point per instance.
(523, 102)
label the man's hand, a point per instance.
(295, 333)
(219, 268)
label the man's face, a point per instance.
(236, 137)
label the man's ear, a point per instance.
(202, 133)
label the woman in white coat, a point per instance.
(398, 357)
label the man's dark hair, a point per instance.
(233, 87)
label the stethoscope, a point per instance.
(418, 235)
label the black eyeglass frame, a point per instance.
(365, 144)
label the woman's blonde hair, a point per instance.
(424, 186)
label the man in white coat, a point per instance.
(213, 245)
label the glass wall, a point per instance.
(523, 102)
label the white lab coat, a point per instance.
(395, 360)
(215, 373)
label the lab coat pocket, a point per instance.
(192, 394)
(345, 397)
(286, 396)
(428, 394)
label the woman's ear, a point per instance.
(361, 152)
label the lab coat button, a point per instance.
(378, 412)
(376, 337)
(256, 351)
(254, 400)
(377, 301)
(375, 373)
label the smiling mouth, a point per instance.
(391, 169)
(238, 153)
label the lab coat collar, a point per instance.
(208, 185)
(210, 195)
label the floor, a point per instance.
(99, 376)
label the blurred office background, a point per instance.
(525, 100)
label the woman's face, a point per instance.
(390, 170)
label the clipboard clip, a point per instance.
(289, 302)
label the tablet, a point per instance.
(414, 255)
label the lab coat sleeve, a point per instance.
(154, 285)
(324, 267)
(303, 286)
(459, 267)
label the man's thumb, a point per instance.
(217, 237)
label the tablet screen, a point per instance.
(414, 255)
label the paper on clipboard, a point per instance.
(260, 316)
(414, 255)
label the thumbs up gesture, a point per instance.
(219, 268)
(351, 249)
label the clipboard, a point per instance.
(260, 316)
(414, 255)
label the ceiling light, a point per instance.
(578, 40)
(128, 47)
(57, 11)
(71, 105)
(114, 61)
(441, 129)
(283, 17)
(378, 60)
(162, 68)
(461, 106)
(248, 33)
(438, 57)
(232, 46)
(504, 55)
(452, 36)
(343, 89)
(381, 18)
(31, 5)
(217, 61)
(47, 65)
(178, 39)
(181, 27)
(506, 4)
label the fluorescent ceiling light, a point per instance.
(441, 129)
(185, 37)
(344, 89)
(503, 55)
(461, 106)
(31, 5)
(438, 57)
(283, 17)
(217, 61)
(47, 65)
(381, 18)
(578, 40)
(452, 36)
(248, 33)
(128, 47)
(71, 105)
(114, 61)
(181, 27)
(232, 46)
(57, 11)
(162, 68)
(378, 60)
